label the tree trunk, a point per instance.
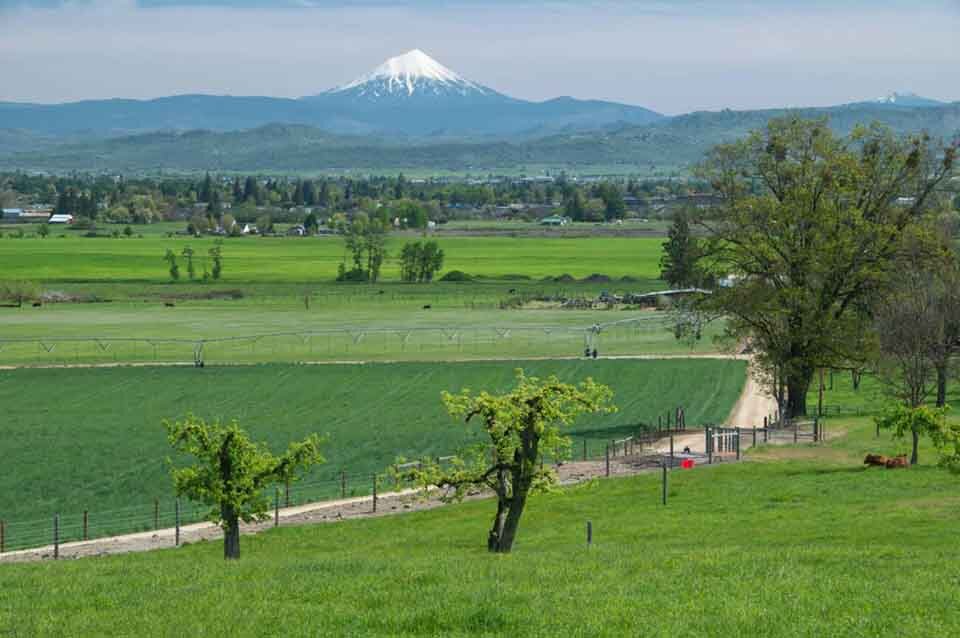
(231, 535)
(520, 490)
(797, 385)
(916, 444)
(941, 384)
(496, 532)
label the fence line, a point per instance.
(160, 513)
(346, 341)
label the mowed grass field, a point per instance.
(796, 542)
(91, 439)
(289, 259)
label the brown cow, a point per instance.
(878, 460)
(898, 462)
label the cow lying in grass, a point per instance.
(898, 461)
(880, 460)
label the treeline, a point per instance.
(140, 198)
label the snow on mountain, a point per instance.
(411, 75)
(907, 99)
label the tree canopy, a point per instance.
(808, 227)
(232, 471)
(522, 426)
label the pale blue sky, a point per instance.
(669, 56)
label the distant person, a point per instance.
(686, 449)
(594, 353)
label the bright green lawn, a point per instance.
(92, 439)
(793, 548)
(288, 259)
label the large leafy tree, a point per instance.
(809, 224)
(232, 472)
(522, 426)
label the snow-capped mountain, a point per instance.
(412, 75)
(414, 94)
(411, 95)
(907, 99)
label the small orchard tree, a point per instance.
(43, 230)
(232, 472)
(922, 421)
(522, 425)
(946, 438)
(171, 259)
(191, 269)
(216, 255)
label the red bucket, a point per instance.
(687, 464)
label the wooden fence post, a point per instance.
(796, 429)
(664, 472)
(671, 450)
(276, 507)
(589, 533)
(156, 514)
(584, 449)
(176, 533)
(374, 493)
(754, 437)
(816, 430)
(286, 490)
(86, 522)
(820, 395)
(56, 536)
(343, 484)
(738, 443)
(608, 460)
(3, 536)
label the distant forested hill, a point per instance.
(674, 142)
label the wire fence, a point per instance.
(630, 336)
(165, 512)
(637, 451)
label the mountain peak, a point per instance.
(408, 74)
(907, 98)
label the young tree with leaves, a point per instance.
(917, 421)
(522, 426)
(811, 223)
(216, 255)
(232, 472)
(174, 268)
(188, 255)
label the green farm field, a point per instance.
(69, 258)
(799, 541)
(91, 439)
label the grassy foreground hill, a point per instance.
(798, 542)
